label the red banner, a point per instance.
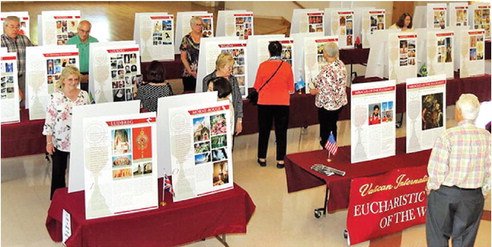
(387, 203)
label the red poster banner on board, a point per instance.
(387, 203)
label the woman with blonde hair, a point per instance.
(190, 48)
(59, 120)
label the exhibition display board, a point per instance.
(314, 60)
(57, 26)
(43, 70)
(24, 21)
(373, 131)
(458, 15)
(119, 164)
(154, 32)
(341, 23)
(480, 17)
(77, 158)
(201, 149)
(471, 52)
(113, 71)
(377, 67)
(307, 21)
(183, 26)
(374, 19)
(440, 53)
(237, 23)
(426, 111)
(402, 52)
(436, 15)
(9, 94)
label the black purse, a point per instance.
(253, 95)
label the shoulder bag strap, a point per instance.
(271, 76)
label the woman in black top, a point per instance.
(154, 87)
(190, 47)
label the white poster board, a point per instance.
(440, 53)
(480, 17)
(341, 23)
(307, 21)
(9, 88)
(471, 51)
(258, 52)
(298, 56)
(183, 26)
(237, 23)
(373, 129)
(436, 15)
(314, 60)
(163, 106)
(372, 20)
(402, 56)
(155, 36)
(57, 26)
(458, 15)
(24, 21)
(201, 149)
(76, 165)
(43, 70)
(113, 71)
(426, 111)
(120, 164)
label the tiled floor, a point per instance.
(280, 219)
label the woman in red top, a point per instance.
(273, 102)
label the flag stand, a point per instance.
(329, 154)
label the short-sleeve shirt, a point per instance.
(83, 51)
(192, 50)
(331, 83)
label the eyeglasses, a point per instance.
(13, 26)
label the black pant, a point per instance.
(189, 83)
(60, 160)
(279, 114)
(327, 124)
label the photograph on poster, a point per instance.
(287, 53)
(202, 147)
(207, 26)
(481, 20)
(137, 170)
(346, 28)
(123, 72)
(432, 111)
(54, 68)
(219, 141)
(121, 141)
(244, 26)
(219, 154)
(221, 173)
(142, 143)
(201, 129)
(218, 123)
(374, 113)
(444, 48)
(387, 111)
(122, 173)
(65, 29)
(315, 23)
(439, 19)
(462, 17)
(122, 161)
(162, 33)
(377, 22)
(202, 158)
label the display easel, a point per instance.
(307, 21)
(57, 26)
(154, 32)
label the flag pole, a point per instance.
(163, 202)
(329, 154)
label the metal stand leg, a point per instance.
(318, 212)
(222, 240)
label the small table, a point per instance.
(170, 225)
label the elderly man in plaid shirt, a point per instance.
(16, 42)
(459, 178)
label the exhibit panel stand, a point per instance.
(57, 26)
(237, 23)
(183, 26)
(458, 15)
(314, 60)
(440, 47)
(436, 16)
(471, 52)
(480, 17)
(402, 56)
(341, 23)
(307, 21)
(372, 20)
(154, 33)
(9, 96)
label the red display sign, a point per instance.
(387, 203)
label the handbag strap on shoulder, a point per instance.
(271, 76)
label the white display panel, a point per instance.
(372, 20)
(58, 26)
(201, 149)
(458, 15)
(426, 111)
(377, 67)
(120, 164)
(258, 52)
(76, 165)
(436, 15)
(480, 17)
(402, 56)
(471, 51)
(307, 21)
(113, 71)
(155, 36)
(9, 95)
(24, 21)
(183, 26)
(440, 53)
(341, 23)
(372, 114)
(314, 60)
(43, 70)
(237, 23)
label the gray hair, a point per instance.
(10, 18)
(469, 106)
(195, 19)
(331, 50)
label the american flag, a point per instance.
(167, 184)
(331, 144)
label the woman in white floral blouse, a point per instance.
(330, 92)
(58, 123)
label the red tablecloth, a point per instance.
(23, 138)
(300, 176)
(170, 225)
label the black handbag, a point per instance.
(253, 95)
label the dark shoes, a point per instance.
(280, 166)
(261, 163)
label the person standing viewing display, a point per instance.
(459, 178)
(154, 87)
(404, 23)
(329, 88)
(190, 48)
(59, 121)
(223, 68)
(274, 83)
(82, 40)
(16, 42)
